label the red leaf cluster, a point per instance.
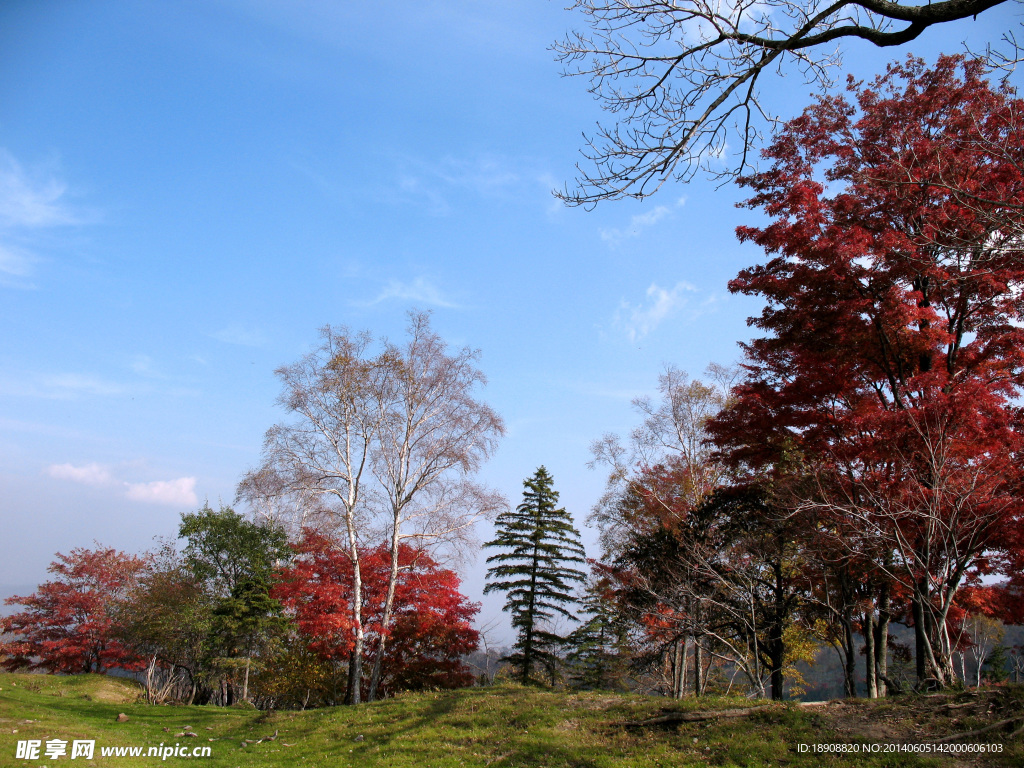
(68, 624)
(893, 357)
(431, 628)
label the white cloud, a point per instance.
(419, 290)
(179, 492)
(90, 474)
(241, 335)
(175, 493)
(143, 365)
(637, 224)
(640, 320)
(30, 202)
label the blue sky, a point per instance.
(189, 190)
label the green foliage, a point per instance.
(233, 561)
(535, 569)
(600, 652)
(246, 621)
(225, 549)
(995, 665)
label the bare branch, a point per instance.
(680, 76)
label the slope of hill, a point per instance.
(511, 726)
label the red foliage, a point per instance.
(431, 625)
(895, 321)
(68, 625)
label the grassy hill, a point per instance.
(500, 727)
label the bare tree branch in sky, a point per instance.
(681, 77)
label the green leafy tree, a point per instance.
(224, 549)
(235, 560)
(535, 569)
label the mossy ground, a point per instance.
(501, 727)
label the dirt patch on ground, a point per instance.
(114, 693)
(952, 718)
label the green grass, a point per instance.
(501, 727)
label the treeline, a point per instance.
(332, 592)
(240, 614)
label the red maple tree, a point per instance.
(894, 348)
(430, 629)
(68, 625)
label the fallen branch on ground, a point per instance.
(980, 731)
(695, 717)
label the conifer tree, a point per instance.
(599, 656)
(535, 569)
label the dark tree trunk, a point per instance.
(776, 653)
(849, 665)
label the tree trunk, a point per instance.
(389, 602)
(776, 651)
(919, 640)
(882, 643)
(149, 679)
(684, 666)
(850, 662)
(355, 682)
(675, 668)
(245, 685)
(698, 669)
(869, 647)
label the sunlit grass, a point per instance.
(503, 726)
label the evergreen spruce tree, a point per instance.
(599, 656)
(535, 570)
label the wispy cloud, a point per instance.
(661, 303)
(30, 201)
(420, 290)
(16, 266)
(432, 183)
(176, 493)
(69, 385)
(240, 335)
(145, 378)
(638, 223)
(90, 474)
(439, 185)
(143, 366)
